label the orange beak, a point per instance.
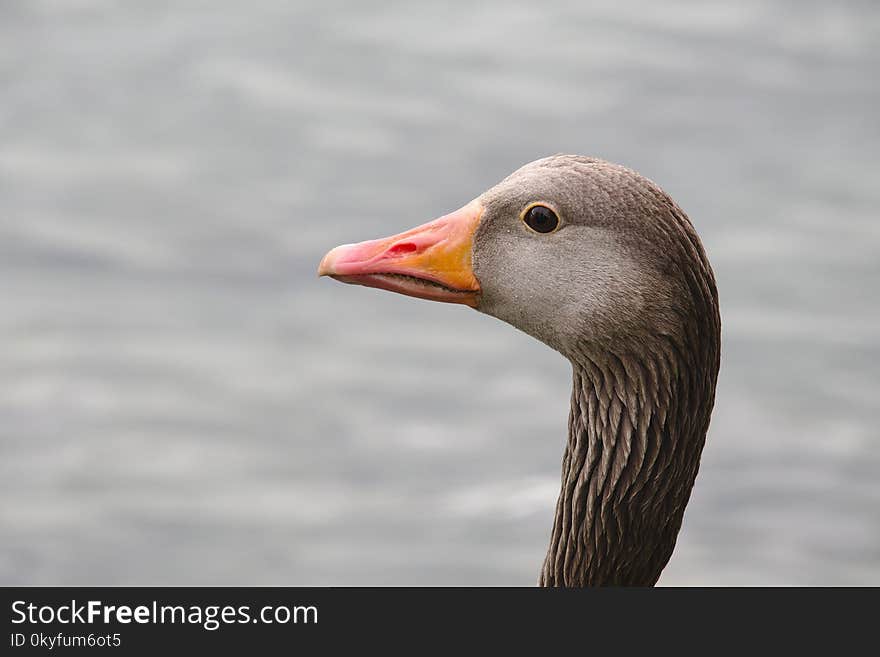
(432, 261)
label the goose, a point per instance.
(600, 264)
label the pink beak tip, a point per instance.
(328, 262)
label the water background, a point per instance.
(183, 402)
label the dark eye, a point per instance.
(541, 219)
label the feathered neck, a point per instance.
(636, 431)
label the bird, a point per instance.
(600, 264)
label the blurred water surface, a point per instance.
(183, 402)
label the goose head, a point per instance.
(575, 251)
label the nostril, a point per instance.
(402, 248)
